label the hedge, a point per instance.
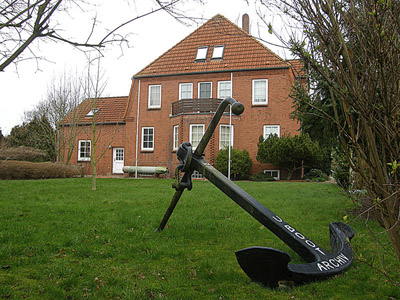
(11, 169)
(22, 153)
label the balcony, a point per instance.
(196, 106)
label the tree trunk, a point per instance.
(290, 173)
(94, 177)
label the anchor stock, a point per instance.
(265, 265)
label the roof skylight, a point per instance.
(218, 52)
(202, 53)
(92, 112)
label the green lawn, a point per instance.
(60, 240)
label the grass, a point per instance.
(60, 240)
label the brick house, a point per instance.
(173, 99)
(76, 132)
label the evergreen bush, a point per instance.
(290, 153)
(240, 163)
(316, 175)
(262, 177)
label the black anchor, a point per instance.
(265, 265)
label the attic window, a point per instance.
(92, 112)
(218, 52)
(202, 53)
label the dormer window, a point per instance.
(218, 52)
(92, 112)
(202, 53)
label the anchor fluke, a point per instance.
(268, 266)
(264, 265)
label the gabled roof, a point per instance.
(242, 51)
(298, 67)
(109, 110)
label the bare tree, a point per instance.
(94, 86)
(59, 110)
(354, 45)
(24, 21)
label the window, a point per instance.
(154, 96)
(224, 89)
(119, 154)
(271, 129)
(185, 91)
(273, 173)
(224, 134)
(205, 90)
(84, 150)
(260, 92)
(197, 175)
(218, 52)
(202, 53)
(147, 138)
(176, 138)
(196, 133)
(92, 112)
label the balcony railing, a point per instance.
(190, 106)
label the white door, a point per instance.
(118, 160)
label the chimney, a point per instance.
(246, 23)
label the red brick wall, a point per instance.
(247, 127)
(111, 136)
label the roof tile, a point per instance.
(242, 51)
(111, 110)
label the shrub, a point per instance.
(316, 175)
(341, 170)
(291, 153)
(341, 174)
(10, 169)
(240, 163)
(22, 153)
(262, 177)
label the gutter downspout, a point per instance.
(137, 130)
(230, 131)
(230, 144)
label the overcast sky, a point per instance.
(150, 37)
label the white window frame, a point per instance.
(191, 134)
(198, 92)
(254, 99)
(201, 54)
(278, 127)
(175, 140)
(220, 135)
(158, 101)
(84, 158)
(143, 148)
(275, 177)
(218, 52)
(180, 90)
(219, 89)
(119, 154)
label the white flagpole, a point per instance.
(230, 139)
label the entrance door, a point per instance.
(118, 160)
